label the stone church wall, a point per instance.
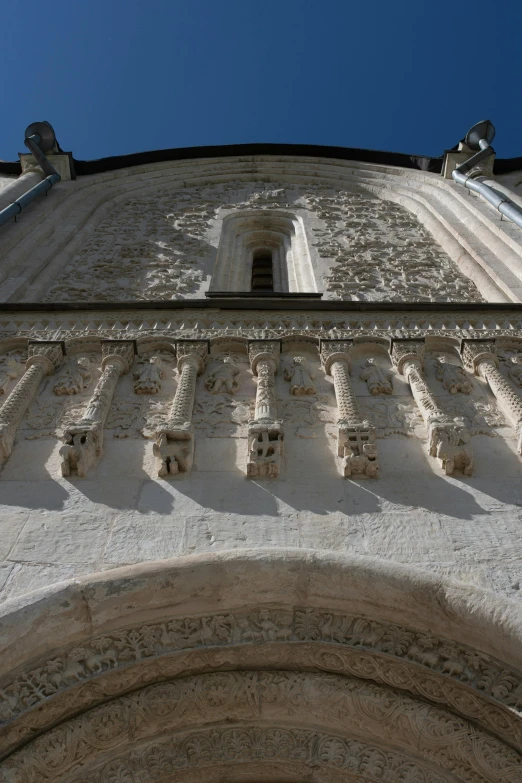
(353, 232)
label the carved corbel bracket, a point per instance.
(118, 352)
(265, 432)
(335, 351)
(44, 358)
(476, 352)
(83, 441)
(174, 444)
(356, 446)
(480, 357)
(195, 351)
(47, 353)
(263, 350)
(406, 352)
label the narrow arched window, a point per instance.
(262, 271)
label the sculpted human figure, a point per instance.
(74, 378)
(300, 376)
(515, 370)
(148, 378)
(9, 370)
(223, 378)
(452, 377)
(377, 380)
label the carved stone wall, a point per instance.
(163, 246)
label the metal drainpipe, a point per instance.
(34, 142)
(475, 139)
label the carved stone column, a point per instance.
(175, 439)
(446, 439)
(356, 446)
(479, 357)
(83, 442)
(265, 432)
(43, 359)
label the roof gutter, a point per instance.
(39, 138)
(479, 137)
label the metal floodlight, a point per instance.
(46, 133)
(481, 130)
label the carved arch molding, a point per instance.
(261, 666)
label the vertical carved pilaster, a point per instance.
(479, 357)
(356, 446)
(43, 359)
(83, 442)
(446, 439)
(175, 438)
(265, 431)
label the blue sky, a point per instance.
(117, 76)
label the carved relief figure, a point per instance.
(10, 368)
(452, 377)
(74, 378)
(300, 376)
(515, 370)
(377, 380)
(223, 378)
(148, 378)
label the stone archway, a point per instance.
(257, 666)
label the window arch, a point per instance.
(255, 246)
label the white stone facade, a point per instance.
(332, 484)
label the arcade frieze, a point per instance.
(249, 391)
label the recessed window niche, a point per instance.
(263, 251)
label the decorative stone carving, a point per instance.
(149, 376)
(157, 246)
(11, 365)
(300, 376)
(452, 377)
(515, 370)
(175, 437)
(377, 380)
(289, 753)
(74, 378)
(356, 447)
(265, 431)
(447, 440)
(479, 357)
(432, 668)
(300, 700)
(223, 378)
(83, 441)
(380, 252)
(44, 358)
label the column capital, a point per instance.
(404, 351)
(47, 353)
(263, 349)
(118, 351)
(335, 351)
(474, 352)
(192, 350)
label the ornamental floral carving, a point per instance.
(110, 651)
(160, 246)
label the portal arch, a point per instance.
(364, 658)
